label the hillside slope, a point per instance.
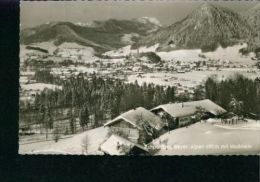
(206, 27)
(252, 16)
(101, 35)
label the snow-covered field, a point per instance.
(225, 54)
(46, 45)
(251, 125)
(74, 145)
(179, 55)
(127, 38)
(232, 54)
(197, 139)
(190, 78)
(74, 50)
(209, 139)
(66, 49)
(39, 86)
(124, 51)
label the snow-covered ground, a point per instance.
(39, 86)
(124, 51)
(74, 145)
(198, 139)
(66, 49)
(127, 38)
(23, 53)
(231, 54)
(179, 55)
(225, 54)
(81, 69)
(87, 24)
(147, 19)
(74, 50)
(209, 139)
(250, 125)
(190, 78)
(46, 45)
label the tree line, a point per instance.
(235, 92)
(97, 97)
(102, 99)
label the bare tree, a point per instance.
(56, 134)
(236, 106)
(84, 144)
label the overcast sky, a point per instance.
(167, 12)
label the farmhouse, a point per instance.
(116, 145)
(137, 125)
(181, 114)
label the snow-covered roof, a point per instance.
(208, 105)
(116, 145)
(190, 108)
(176, 110)
(137, 117)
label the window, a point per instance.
(184, 120)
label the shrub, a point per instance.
(153, 57)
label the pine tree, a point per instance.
(83, 117)
(236, 106)
(56, 134)
(49, 118)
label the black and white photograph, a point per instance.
(152, 78)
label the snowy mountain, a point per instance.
(149, 20)
(206, 27)
(252, 16)
(101, 35)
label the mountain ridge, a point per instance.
(102, 35)
(206, 27)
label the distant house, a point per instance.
(137, 125)
(181, 114)
(180, 71)
(116, 145)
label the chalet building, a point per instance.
(137, 125)
(181, 114)
(116, 145)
